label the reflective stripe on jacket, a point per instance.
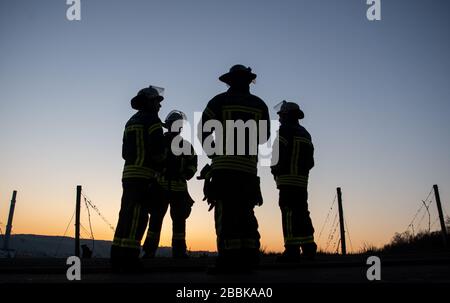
(295, 156)
(143, 146)
(237, 106)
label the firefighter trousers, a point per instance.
(180, 209)
(298, 229)
(235, 222)
(133, 217)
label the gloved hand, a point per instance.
(207, 186)
(258, 194)
(211, 203)
(204, 172)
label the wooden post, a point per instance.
(341, 221)
(77, 222)
(441, 215)
(10, 220)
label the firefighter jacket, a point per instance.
(143, 147)
(178, 168)
(295, 156)
(236, 105)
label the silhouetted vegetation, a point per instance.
(422, 242)
(407, 242)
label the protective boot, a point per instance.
(150, 247)
(309, 250)
(291, 254)
(179, 249)
(125, 260)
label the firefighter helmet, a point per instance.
(238, 71)
(291, 108)
(151, 93)
(173, 116)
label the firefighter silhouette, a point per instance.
(179, 168)
(231, 182)
(291, 171)
(143, 152)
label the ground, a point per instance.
(413, 268)
(329, 277)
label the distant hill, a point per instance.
(61, 247)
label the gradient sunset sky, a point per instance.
(376, 97)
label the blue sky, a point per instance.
(376, 97)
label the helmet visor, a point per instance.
(278, 106)
(160, 90)
(176, 115)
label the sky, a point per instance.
(376, 98)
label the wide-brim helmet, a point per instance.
(290, 108)
(145, 95)
(239, 72)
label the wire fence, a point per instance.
(86, 233)
(423, 220)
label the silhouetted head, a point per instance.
(147, 99)
(238, 75)
(172, 117)
(289, 112)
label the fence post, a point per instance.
(77, 222)
(341, 221)
(441, 215)
(10, 221)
